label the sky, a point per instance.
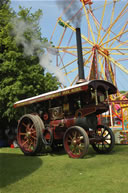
(51, 12)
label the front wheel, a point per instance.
(76, 142)
(107, 140)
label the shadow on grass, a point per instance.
(90, 154)
(14, 167)
(60, 151)
(116, 150)
(53, 151)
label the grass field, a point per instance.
(57, 173)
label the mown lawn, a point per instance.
(57, 173)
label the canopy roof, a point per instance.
(67, 91)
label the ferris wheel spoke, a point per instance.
(101, 21)
(96, 8)
(73, 29)
(122, 43)
(124, 59)
(110, 27)
(114, 38)
(61, 36)
(89, 25)
(68, 44)
(71, 62)
(74, 80)
(73, 53)
(65, 70)
(112, 16)
(87, 60)
(85, 63)
(71, 71)
(97, 23)
(115, 62)
(116, 49)
(123, 29)
(120, 53)
(104, 40)
(66, 65)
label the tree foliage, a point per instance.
(21, 76)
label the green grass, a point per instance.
(57, 173)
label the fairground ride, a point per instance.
(104, 26)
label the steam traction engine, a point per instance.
(68, 117)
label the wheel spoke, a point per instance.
(73, 149)
(32, 132)
(34, 137)
(103, 132)
(29, 126)
(80, 138)
(105, 147)
(107, 142)
(106, 135)
(75, 134)
(32, 127)
(76, 142)
(24, 124)
(69, 136)
(69, 141)
(25, 142)
(31, 146)
(22, 133)
(28, 140)
(81, 146)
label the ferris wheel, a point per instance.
(104, 33)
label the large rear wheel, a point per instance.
(76, 142)
(29, 137)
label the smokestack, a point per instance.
(80, 56)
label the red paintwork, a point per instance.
(63, 122)
(59, 126)
(45, 116)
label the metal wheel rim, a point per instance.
(74, 143)
(107, 139)
(27, 135)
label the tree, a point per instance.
(21, 76)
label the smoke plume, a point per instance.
(33, 44)
(45, 61)
(70, 8)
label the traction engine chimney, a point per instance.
(80, 57)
